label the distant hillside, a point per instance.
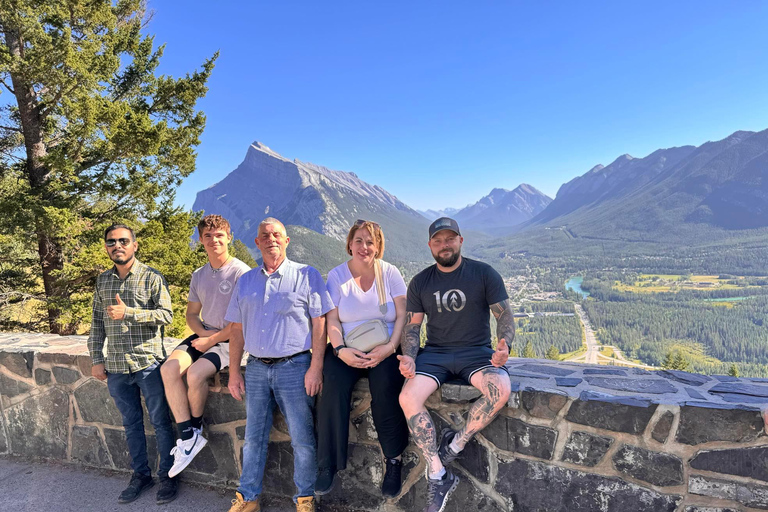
(432, 215)
(325, 201)
(503, 209)
(668, 194)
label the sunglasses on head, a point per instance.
(360, 223)
(111, 242)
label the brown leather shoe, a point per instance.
(240, 505)
(305, 504)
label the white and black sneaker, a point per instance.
(439, 490)
(185, 451)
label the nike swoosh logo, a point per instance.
(187, 452)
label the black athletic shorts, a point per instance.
(444, 364)
(213, 354)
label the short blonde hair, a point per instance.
(376, 233)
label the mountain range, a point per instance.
(722, 184)
(670, 195)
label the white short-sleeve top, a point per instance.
(356, 306)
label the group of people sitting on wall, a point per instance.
(308, 342)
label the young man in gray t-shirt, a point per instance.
(207, 351)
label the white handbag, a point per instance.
(372, 333)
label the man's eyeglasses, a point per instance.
(360, 223)
(111, 242)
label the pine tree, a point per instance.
(669, 361)
(680, 362)
(553, 353)
(733, 371)
(528, 351)
(90, 135)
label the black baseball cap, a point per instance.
(443, 223)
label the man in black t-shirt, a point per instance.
(456, 294)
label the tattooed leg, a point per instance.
(495, 387)
(412, 398)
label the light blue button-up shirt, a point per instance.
(276, 309)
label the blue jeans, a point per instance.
(282, 384)
(126, 389)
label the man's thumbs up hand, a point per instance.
(117, 312)
(499, 358)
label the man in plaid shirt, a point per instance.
(131, 306)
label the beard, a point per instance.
(447, 261)
(121, 259)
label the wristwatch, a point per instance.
(336, 350)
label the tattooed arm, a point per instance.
(409, 344)
(505, 331)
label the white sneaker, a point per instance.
(185, 451)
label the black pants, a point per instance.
(334, 405)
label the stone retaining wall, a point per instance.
(573, 437)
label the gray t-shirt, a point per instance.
(213, 289)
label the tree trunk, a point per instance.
(49, 247)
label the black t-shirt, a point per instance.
(457, 303)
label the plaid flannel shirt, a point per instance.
(135, 342)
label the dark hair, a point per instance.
(118, 226)
(213, 222)
(375, 231)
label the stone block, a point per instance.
(690, 379)
(661, 469)
(57, 358)
(544, 369)
(364, 427)
(278, 473)
(19, 363)
(39, 426)
(608, 416)
(95, 403)
(240, 432)
(458, 393)
(751, 495)
(696, 508)
(693, 393)
(661, 430)
(118, 449)
(465, 498)
(741, 391)
(216, 461)
(3, 439)
(536, 486)
(475, 459)
(84, 364)
(222, 408)
(358, 486)
(42, 377)
(585, 448)
(748, 462)
(703, 425)
(11, 387)
(88, 447)
(607, 371)
(568, 382)
(514, 435)
(633, 384)
(589, 395)
(543, 404)
(65, 375)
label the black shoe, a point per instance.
(392, 483)
(169, 489)
(324, 482)
(135, 488)
(439, 490)
(444, 449)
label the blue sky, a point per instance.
(439, 102)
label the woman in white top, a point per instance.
(352, 286)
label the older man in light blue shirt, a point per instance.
(277, 313)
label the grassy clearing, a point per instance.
(663, 283)
(607, 352)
